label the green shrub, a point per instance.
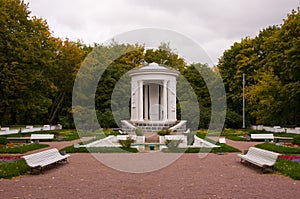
(259, 132)
(109, 132)
(3, 140)
(172, 144)
(296, 140)
(139, 132)
(164, 132)
(233, 119)
(126, 143)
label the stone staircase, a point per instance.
(153, 126)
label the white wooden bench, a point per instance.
(42, 159)
(260, 157)
(37, 137)
(267, 136)
(222, 140)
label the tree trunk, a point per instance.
(55, 106)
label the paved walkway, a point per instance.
(241, 145)
(215, 176)
(59, 145)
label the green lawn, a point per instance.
(12, 169)
(23, 148)
(64, 134)
(223, 149)
(72, 149)
(288, 168)
(278, 149)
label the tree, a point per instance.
(265, 99)
(271, 63)
(25, 49)
(69, 56)
(37, 70)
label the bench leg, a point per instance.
(265, 168)
(35, 168)
(272, 168)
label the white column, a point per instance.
(146, 100)
(140, 105)
(134, 100)
(165, 100)
(172, 100)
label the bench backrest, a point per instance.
(41, 136)
(222, 140)
(37, 157)
(262, 136)
(124, 137)
(175, 137)
(263, 154)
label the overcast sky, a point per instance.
(214, 24)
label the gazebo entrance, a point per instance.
(153, 98)
(155, 102)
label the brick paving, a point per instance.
(215, 176)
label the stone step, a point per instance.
(151, 138)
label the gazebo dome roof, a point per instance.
(153, 66)
(152, 69)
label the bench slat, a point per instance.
(262, 136)
(44, 158)
(260, 157)
(42, 136)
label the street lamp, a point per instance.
(244, 82)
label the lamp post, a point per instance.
(244, 82)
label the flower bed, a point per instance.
(293, 158)
(10, 158)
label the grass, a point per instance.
(223, 149)
(97, 137)
(65, 134)
(278, 149)
(21, 148)
(235, 137)
(288, 168)
(232, 134)
(72, 149)
(240, 134)
(12, 169)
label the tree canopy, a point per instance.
(38, 71)
(271, 62)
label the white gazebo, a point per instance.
(153, 97)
